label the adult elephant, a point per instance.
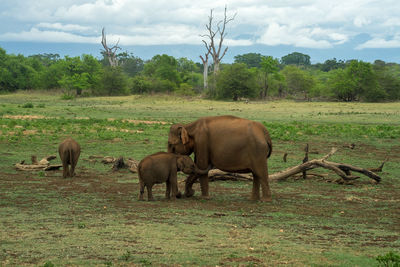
(228, 143)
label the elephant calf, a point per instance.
(69, 151)
(163, 167)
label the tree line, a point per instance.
(252, 76)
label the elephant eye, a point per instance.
(171, 142)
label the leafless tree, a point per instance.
(205, 65)
(215, 37)
(110, 51)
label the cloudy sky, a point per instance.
(327, 29)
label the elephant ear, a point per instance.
(184, 135)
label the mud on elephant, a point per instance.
(69, 151)
(163, 167)
(227, 143)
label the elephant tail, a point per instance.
(269, 143)
(141, 183)
(71, 157)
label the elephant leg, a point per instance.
(260, 176)
(141, 190)
(189, 192)
(174, 193)
(173, 180)
(266, 190)
(168, 190)
(149, 192)
(72, 170)
(204, 186)
(255, 194)
(65, 170)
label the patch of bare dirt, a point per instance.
(241, 259)
(144, 121)
(25, 117)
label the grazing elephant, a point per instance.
(163, 167)
(69, 151)
(227, 143)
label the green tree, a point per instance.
(357, 81)
(297, 59)
(164, 67)
(73, 83)
(141, 84)
(114, 82)
(235, 81)
(75, 75)
(46, 59)
(268, 66)
(92, 68)
(252, 60)
(130, 64)
(279, 82)
(298, 81)
(321, 87)
(190, 74)
(52, 74)
(388, 79)
(17, 72)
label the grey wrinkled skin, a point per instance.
(227, 143)
(69, 151)
(163, 167)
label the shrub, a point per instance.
(236, 81)
(390, 259)
(140, 85)
(114, 82)
(185, 89)
(27, 105)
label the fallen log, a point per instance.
(117, 163)
(43, 164)
(130, 164)
(216, 174)
(341, 169)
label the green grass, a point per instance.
(95, 219)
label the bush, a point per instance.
(375, 95)
(140, 85)
(114, 82)
(28, 105)
(390, 259)
(236, 81)
(185, 89)
(163, 86)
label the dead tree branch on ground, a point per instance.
(342, 170)
(43, 164)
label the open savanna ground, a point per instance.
(96, 219)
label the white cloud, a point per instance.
(63, 27)
(287, 35)
(300, 23)
(361, 21)
(37, 35)
(380, 43)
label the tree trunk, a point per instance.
(205, 75)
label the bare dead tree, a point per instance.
(205, 64)
(215, 38)
(110, 51)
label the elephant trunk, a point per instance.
(200, 171)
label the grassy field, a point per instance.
(94, 219)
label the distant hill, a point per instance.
(192, 52)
